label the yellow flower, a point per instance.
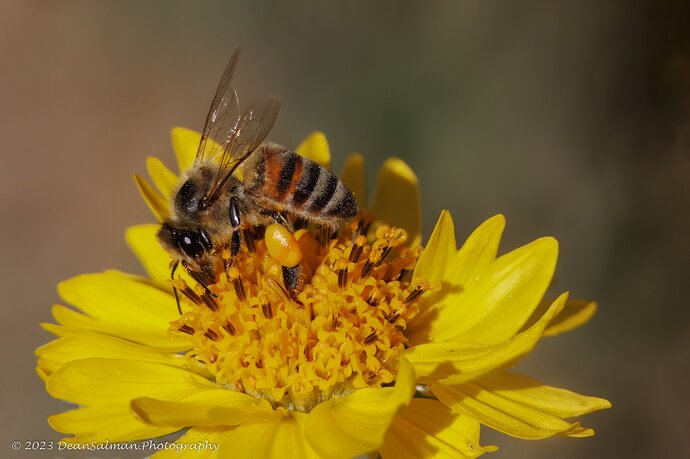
(389, 347)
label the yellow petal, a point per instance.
(105, 421)
(427, 428)
(355, 424)
(156, 261)
(156, 202)
(495, 305)
(456, 362)
(315, 147)
(280, 435)
(121, 306)
(185, 143)
(575, 313)
(455, 271)
(208, 408)
(162, 177)
(520, 406)
(97, 381)
(353, 175)
(196, 443)
(85, 345)
(439, 254)
(396, 199)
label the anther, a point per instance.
(392, 316)
(267, 310)
(357, 248)
(371, 337)
(184, 328)
(401, 275)
(236, 280)
(278, 289)
(374, 297)
(210, 302)
(228, 327)
(375, 257)
(419, 289)
(341, 269)
(210, 334)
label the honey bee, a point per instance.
(213, 210)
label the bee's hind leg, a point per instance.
(294, 279)
(277, 216)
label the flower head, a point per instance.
(387, 346)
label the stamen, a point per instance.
(267, 310)
(184, 328)
(413, 295)
(371, 337)
(374, 297)
(234, 275)
(228, 327)
(341, 269)
(210, 334)
(357, 248)
(342, 328)
(375, 257)
(420, 289)
(278, 289)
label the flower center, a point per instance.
(343, 331)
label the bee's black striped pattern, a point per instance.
(301, 185)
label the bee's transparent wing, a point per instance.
(230, 135)
(251, 129)
(223, 116)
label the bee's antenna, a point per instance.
(172, 276)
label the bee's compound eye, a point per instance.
(282, 245)
(190, 243)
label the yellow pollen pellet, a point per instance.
(282, 246)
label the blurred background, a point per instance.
(570, 117)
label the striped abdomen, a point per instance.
(299, 184)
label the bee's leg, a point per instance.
(277, 216)
(172, 276)
(194, 276)
(294, 279)
(235, 243)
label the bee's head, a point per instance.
(187, 244)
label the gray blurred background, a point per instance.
(570, 117)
